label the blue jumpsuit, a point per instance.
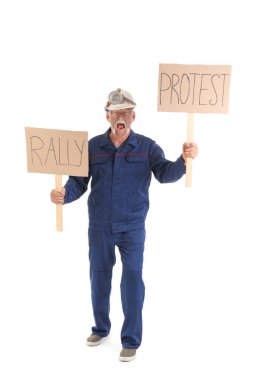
(118, 204)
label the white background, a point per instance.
(59, 60)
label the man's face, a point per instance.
(121, 121)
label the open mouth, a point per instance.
(120, 126)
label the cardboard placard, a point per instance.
(193, 88)
(57, 151)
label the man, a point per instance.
(121, 163)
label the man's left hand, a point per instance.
(190, 150)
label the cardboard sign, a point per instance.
(57, 151)
(193, 88)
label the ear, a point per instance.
(133, 115)
(107, 115)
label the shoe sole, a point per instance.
(127, 358)
(92, 344)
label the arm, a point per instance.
(166, 171)
(75, 187)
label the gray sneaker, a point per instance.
(95, 340)
(127, 354)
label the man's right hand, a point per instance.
(57, 196)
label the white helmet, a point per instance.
(119, 99)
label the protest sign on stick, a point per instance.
(193, 89)
(58, 152)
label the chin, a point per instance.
(121, 132)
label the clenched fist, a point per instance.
(190, 150)
(57, 196)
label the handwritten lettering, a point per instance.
(56, 151)
(183, 89)
(193, 88)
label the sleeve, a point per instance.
(75, 187)
(166, 171)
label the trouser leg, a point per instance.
(102, 259)
(131, 247)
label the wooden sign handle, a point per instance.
(59, 222)
(188, 182)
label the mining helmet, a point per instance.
(119, 99)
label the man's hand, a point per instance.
(57, 197)
(190, 150)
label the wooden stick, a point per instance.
(59, 222)
(188, 182)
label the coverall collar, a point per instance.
(106, 142)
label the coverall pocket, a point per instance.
(95, 206)
(137, 165)
(137, 204)
(98, 166)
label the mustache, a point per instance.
(120, 121)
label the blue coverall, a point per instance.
(118, 204)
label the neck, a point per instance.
(118, 140)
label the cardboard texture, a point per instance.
(193, 88)
(56, 151)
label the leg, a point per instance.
(102, 258)
(131, 247)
